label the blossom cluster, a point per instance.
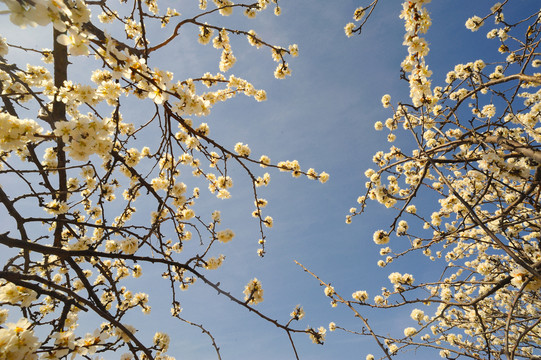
(417, 21)
(253, 292)
(18, 341)
(15, 133)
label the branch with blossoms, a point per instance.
(359, 16)
(82, 169)
(28, 289)
(466, 197)
(336, 298)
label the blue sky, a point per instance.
(323, 116)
